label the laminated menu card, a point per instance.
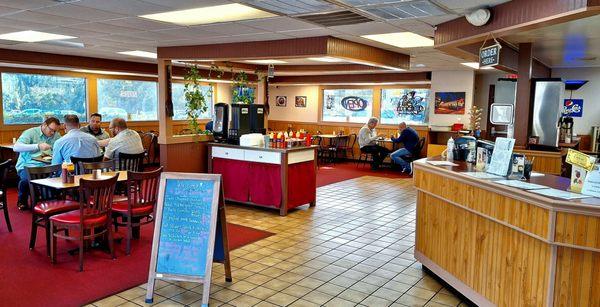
(501, 157)
(591, 186)
(521, 184)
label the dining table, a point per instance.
(56, 182)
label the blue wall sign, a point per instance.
(573, 107)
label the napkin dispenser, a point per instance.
(252, 139)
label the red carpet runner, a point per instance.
(28, 279)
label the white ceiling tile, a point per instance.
(4, 10)
(105, 28)
(229, 29)
(31, 16)
(28, 4)
(189, 32)
(367, 28)
(279, 24)
(154, 36)
(129, 7)
(75, 31)
(260, 37)
(80, 12)
(436, 20)
(468, 4)
(141, 24)
(24, 25)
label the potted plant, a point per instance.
(194, 96)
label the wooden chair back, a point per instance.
(104, 166)
(131, 162)
(78, 163)
(96, 197)
(142, 188)
(4, 166)
(39, 192)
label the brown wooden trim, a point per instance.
(60, 60)
(283, 210)
(523, 103)
(353, 78)
(289, 48)
(512, 17)
(325, 68)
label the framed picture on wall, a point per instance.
(449, 103)
(300, 101)
(281, 101)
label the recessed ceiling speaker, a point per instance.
(479, 17)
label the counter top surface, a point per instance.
(282, 150)
(550, 181)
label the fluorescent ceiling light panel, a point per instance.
(33, 36)
(265, 61)
(210, 14)
(401, 39)
(327, 59)
(139, 53)
(475, 65)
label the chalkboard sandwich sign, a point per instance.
(189, 212)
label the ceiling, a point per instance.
(106, 27)
(571, 44)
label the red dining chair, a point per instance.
(90, 221)
(3, 202)
(138, 208)
(46, 202)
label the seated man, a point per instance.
(33, 143)
(94, 128)
(75, 143)
(409, 137)
(209, 126)
(367, 140)
(124, 140)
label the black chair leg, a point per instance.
(33, 232)
(6, 216)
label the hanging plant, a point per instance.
(242, 93)
(195, 98)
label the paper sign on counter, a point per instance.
(482, 175)
(559, 194)
(521, 184)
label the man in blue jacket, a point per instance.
(409, 137)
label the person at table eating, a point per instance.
(33, 143)
(367, 140)
(409, 137)
(75, 143)
(94, 128)
(124, 140)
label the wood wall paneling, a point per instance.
(188, 157)
(523, 102)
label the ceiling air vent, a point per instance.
(403, 10)
(340, 18)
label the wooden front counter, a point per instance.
(502, 246)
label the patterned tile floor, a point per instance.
(355, 248)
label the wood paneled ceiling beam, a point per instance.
(353, 78)
(459, 38)
(296, 48)
(70, 61)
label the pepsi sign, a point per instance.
(573, 107)
(354, 103)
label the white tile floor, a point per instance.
(355, 248)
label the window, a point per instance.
(347, 105)
(131, 100)
(404, 105)
(30, 98)
(179, 102)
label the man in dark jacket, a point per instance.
(409, 137)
